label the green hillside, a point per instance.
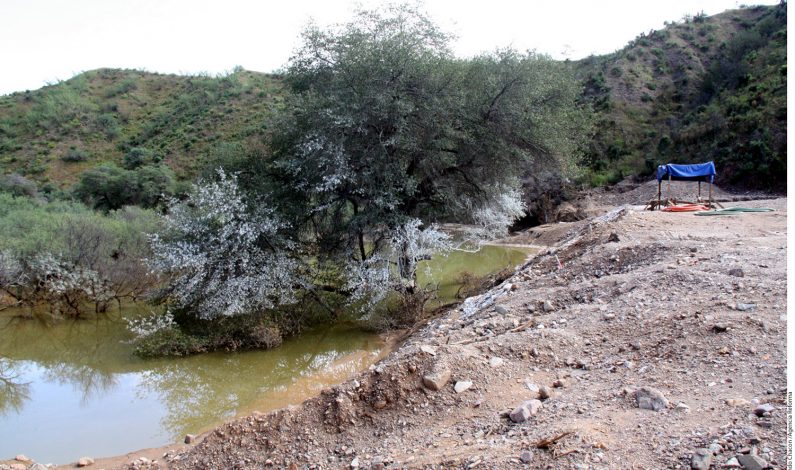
(705, 88)
(53, 134)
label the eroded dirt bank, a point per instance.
(676, 312)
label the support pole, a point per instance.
(669, 185)
(699, 190)
(710, 195)
(659, 194)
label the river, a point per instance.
(70, 388)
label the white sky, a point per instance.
(48, 40)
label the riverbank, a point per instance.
(631, 309)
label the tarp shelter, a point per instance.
(695, 172)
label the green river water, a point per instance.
(72, 388)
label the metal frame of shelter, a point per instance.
(696, 172)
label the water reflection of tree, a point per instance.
(84, 353)
(198, 396)
(13, 391)
(88, 381)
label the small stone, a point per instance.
(22, 458)
(377, 463)
(524, 411)
(737, 402)
(715, 448)
(436, 380)
(650, 399)
(544, 392)
(532, 387)
(702, 458)
(526, 456)
(501, 309)
(85, 461)
(764, 408)
(721, 327)
(736, 272)
(732, 463)
(743, 307)
(17, 466)
(428, 349)
(355, 462)
(547, 306)
(609, 316)
(752, 462)
(462, 386)
(682, 407)
(190, 438)
(613, 238)
(495, 361)
(635, 345)
(560, 383)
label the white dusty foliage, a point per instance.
(393, 268)
(145, 326)
(223, 258)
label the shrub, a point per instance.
(169, 341)
(108, 187)
(108, 125)
(140, 156)
(17, 185)
(68, 256)
(74, 155)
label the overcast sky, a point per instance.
(48, 40)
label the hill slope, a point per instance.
(54, 133)
(707, 88)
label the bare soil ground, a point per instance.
(691, 307)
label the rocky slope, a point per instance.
(637, 340)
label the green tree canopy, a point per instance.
(386, 126)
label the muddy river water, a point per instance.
(73, 388)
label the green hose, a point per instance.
(735, 210)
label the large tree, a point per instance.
(387, 133)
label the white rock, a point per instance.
(462, 386)
(496, 361)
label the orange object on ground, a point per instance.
(686, 208)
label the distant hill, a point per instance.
(705, 88)
(53, 134)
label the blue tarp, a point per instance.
(695, 172)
